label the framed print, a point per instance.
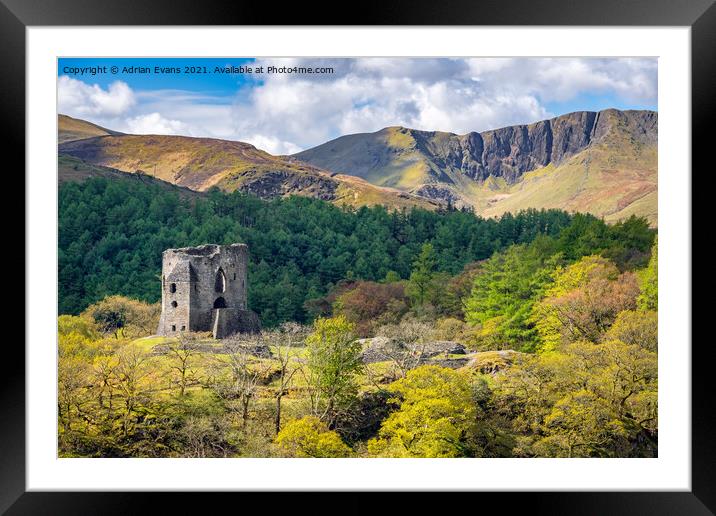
(417, 253)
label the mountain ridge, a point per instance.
(483, 169)
(202, 163)
(535, 143)
(604, 163)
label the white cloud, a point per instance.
(154, 123)
(563, 79)
(203, 114)
(285, 113)
(454, 95)
(272, 145)
(77, 98)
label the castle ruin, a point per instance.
(205, 289)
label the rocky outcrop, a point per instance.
(379, 349)
(491, 362)
(440, 192)
(442, 347)
(278, 183)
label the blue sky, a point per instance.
(223, 86)
(284, 113)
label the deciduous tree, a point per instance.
(435, 416)
(333, 361)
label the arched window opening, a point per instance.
(220, 302)
(174, 304)
(173, 288)
(220, 283)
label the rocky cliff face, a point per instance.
(506, 153)
(511, 151)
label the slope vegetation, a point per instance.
(70, 129)
(201, 163)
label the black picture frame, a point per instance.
(700, 15)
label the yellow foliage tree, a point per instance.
(435, 416)
(310, 437)
(583, 400)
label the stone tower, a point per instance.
(204, 289)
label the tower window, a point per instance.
(220, 303)
(234, 276)
(183, 328)
(174, 304)
(173, 288)
(174, 327)
(220, 282)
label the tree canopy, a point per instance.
(112, 235)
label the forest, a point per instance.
(386, 333)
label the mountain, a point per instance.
(602, 162)
(70, 129)
(200, 163)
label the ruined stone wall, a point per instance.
(229, 321)
(176, 296)
(198, 280)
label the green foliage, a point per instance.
(582, 302)
(583, 400)
(649, 282)
(434, 417)
(448, 328)
(112, 234)
(539, 280)
(80, 338)
(626, 243)
(310, 437)
(636, 327)
(504, 293)
(422, 274)
(118, 314)
(333, 361)
(578, 424)
(580, 273)
(81, 326)
(509, 284)
(391, 277)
